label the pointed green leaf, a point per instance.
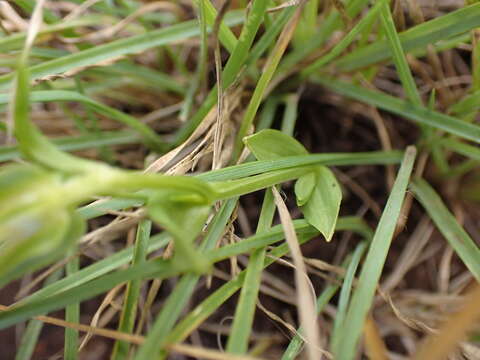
(322, 207)
(271, 144)
(304, 188)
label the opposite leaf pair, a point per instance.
(318, 192)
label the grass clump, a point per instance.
(138, 135)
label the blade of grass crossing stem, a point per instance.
(72, 315)
(259, 167)
(179, 297)
(127, 319)
(419, 114)
(32, 332)
(268, 38)
(456, 236)
(403, 70)
(339, 325)
(225, 35)
(149, 270)
(296, 344)
(95, 270)
(267, 74)
(373, 265)
(305, 298)
(222, 294)
(245, 310)
(233, 66)
(346, 40)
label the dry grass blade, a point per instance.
(92, 330)
(440, 345)
(305, 300)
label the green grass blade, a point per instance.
(372, 268)
(467, 150)
(340, 327)
(217, 298)
(441, 28)
(132, 293)
(297, 342)
(346, 40)
(149, 270)
(339, 159)
(262, 83)
(32, 332)
(456, 236)
(419, 114)
(467, 105)
(225, 35)
(232, 68)
(60, 95)
(177, 300)
(329, 25)
(81, 142)
(245, 310)
(259, 167)
(72, 315)
(95, 270)
(403, 69)
(16, 40)
(117, 48)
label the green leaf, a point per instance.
(304, 188)
(322, 206)
(318, 192)
(272, 144)
(184, 220)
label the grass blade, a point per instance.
(441, 28)
(217, 298)
(177, 300)
(403, 70)
(456, 236)
(372, 268)
(114, 49)
(132, 293)
(72, 315)
(419, 114)
(60, 95)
